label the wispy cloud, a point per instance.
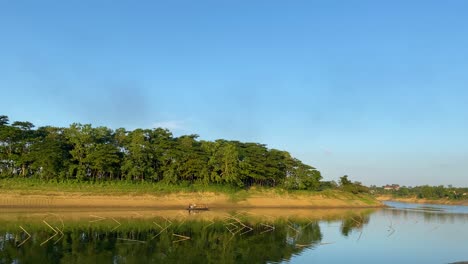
(171, 124)
(327, 151)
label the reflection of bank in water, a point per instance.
(239, 237)
(149, 236)
(171, 236)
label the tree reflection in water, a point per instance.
(192, 242)
(354, 222)
(234, 239)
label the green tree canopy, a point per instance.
(88, 153)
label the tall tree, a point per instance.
(139, 156)
(8, 137)
(225, 163)
(81, 138)
(4, 120)
(24, 138)
(50, 153)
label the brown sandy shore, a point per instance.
(178, 201)
(423, 201)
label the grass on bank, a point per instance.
(108, 187)
(41, 187)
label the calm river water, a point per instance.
(403, 233)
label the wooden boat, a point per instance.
(195, 207)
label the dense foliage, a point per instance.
(425, 192)
(353, 187)
(85, 153)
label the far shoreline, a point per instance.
(423, 201)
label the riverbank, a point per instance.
(422, 201)
(34, 193)
(181, 200)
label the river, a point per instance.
(401, 233)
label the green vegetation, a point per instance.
(101, 161)
(82, 153)
(35, 186)
(425, 192)
(353, 187)
(39, 186)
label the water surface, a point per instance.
(402, 233)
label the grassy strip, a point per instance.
(116, 188)
(108, 187)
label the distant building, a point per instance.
(393, 187)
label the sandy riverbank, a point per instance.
(181, 200)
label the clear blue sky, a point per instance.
(377, 90)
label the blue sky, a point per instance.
(377, 90)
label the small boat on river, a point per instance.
(195, 207)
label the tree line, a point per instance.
(85, 153)
(426, 192)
